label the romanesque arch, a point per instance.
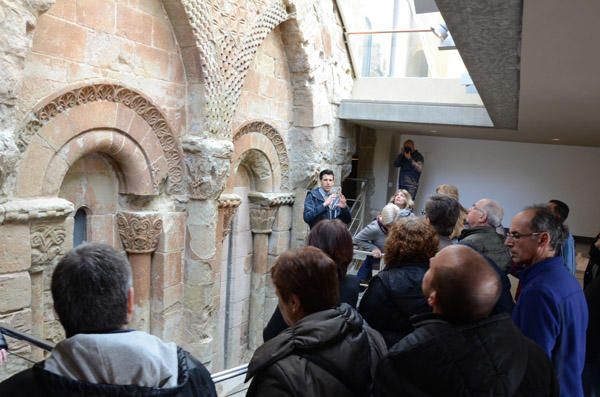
(107, 118)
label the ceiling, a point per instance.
(559, 90)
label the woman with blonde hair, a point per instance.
(404, 201)
(452, 192)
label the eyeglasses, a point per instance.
(516, 235)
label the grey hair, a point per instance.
(544, 220)
(494, 212)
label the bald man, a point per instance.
(483, 218)
(459, 349)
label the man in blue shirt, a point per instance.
(551, 309)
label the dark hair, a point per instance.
(561, 209)
(442, 212)
(410, 240)
(468, 289)
(333, 238)
(326, 172)
(89, 288)
(309, 274)
(545, 220)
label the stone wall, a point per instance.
(150, 113)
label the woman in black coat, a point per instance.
(333, 238)
(394, 294)
(328, 350)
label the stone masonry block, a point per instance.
(167, 268)
(283, 220)
(15, 291)
(279, 242)
(15, 248)
(172, 237)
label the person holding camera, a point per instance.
(410, 162)
(326, 202)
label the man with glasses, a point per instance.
(551, 309)
(483, 218)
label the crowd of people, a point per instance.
(438, 319)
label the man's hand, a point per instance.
(329, 200)
(3, 356)
(342, 203)
(376, 253)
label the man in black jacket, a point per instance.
(458, 350)
(93, 298)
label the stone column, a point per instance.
(140, 233)
(263, 210)
(208, 163)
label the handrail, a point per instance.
(13, 333)
(230, 373)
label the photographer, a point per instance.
(410, 162)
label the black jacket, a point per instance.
(194, 381)
(393, 296)
(349, 289)
(489, 358)
(329, 353)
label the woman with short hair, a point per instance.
(334, 239)
(394, 294)
(328, 350)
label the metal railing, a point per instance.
(358, 205)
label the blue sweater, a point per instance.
(552, 311)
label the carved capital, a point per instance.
(228, 205)
(271, 199)
(46, 245)
(139, 231)
(207, 163)
(262, 219)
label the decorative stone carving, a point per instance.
(262, 219)
(273, 135)
(139, 231)
(46, 244)
(207, 162)
(228, 205)
(117, 94)
(228, 34)
(25, 210)
(271, 199)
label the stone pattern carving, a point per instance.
(228, 205)
(271, 199)
(118, 94)
(262, 219)
(227, 39)
(46, 244)
(271, 133)
(139, 231)
(25, 210)
(207, 163)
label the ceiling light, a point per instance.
(556, 139)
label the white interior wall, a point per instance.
(514, 174)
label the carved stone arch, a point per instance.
(276, 142)
(124, 115)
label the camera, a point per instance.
(407, 150)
